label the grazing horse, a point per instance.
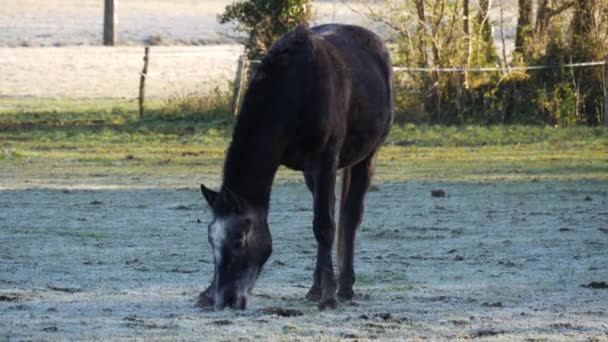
(321, 100)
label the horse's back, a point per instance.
(359, 47)
(368, 95)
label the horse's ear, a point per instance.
(209, 195)
(235, 202)
(301, 33)
(279, 52)
(303, 27)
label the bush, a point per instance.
(565, 96)
(265, 21)
(199, 105)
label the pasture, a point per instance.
(103, 233)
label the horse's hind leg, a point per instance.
(351, 214)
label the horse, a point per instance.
(321, 100)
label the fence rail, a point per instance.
(508, 68)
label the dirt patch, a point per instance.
(66, 289)
(438, 193)
(9, 297)
(596, 285)
(283, 312)
(222, 322)
(486, 333)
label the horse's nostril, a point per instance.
(230, 301)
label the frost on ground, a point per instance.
(80, 22)
(100, 72)
(34, 23)
(499, 261)
(52, 48)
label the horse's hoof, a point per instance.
(328, 304)
(346, 295)
(204, 301)
(314, 294)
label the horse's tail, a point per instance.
(346, 173)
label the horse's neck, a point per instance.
(251, 164)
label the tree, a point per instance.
(546, 11)
(524, 27)
(583, 21)
(420, 33)
(466, 28)
(483, 19)
(452, 33)
(265, 21)
(584, 46)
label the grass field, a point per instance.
(103, 232)
(103, 143)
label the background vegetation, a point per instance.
(454, 33)
(264, 21)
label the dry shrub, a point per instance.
(199, 104)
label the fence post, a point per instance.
(109, 22)
(142, 82)
(238, 80)
(606, 93)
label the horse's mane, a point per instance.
(252, 115)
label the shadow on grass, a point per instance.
(156, 120)
(184, 114)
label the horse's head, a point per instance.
(241, 244)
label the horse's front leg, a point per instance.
(324, 227)
(205, 298)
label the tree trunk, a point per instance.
(606, 94)
(524, 26)
(484, 21)
(584, 47)
(421, 33)
(583, 21)
(467, 40)
(487, 40)
(547, 9)
(542, 19)
(437, 16)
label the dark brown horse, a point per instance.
(320, 101)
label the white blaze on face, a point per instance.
(218, 235)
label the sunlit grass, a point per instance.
(106, 142)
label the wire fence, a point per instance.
(244, 65)
(505, 69)
(558, 98)
(118, 72)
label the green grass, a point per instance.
(103, 142)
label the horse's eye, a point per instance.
(238, 244)
(210, 239)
